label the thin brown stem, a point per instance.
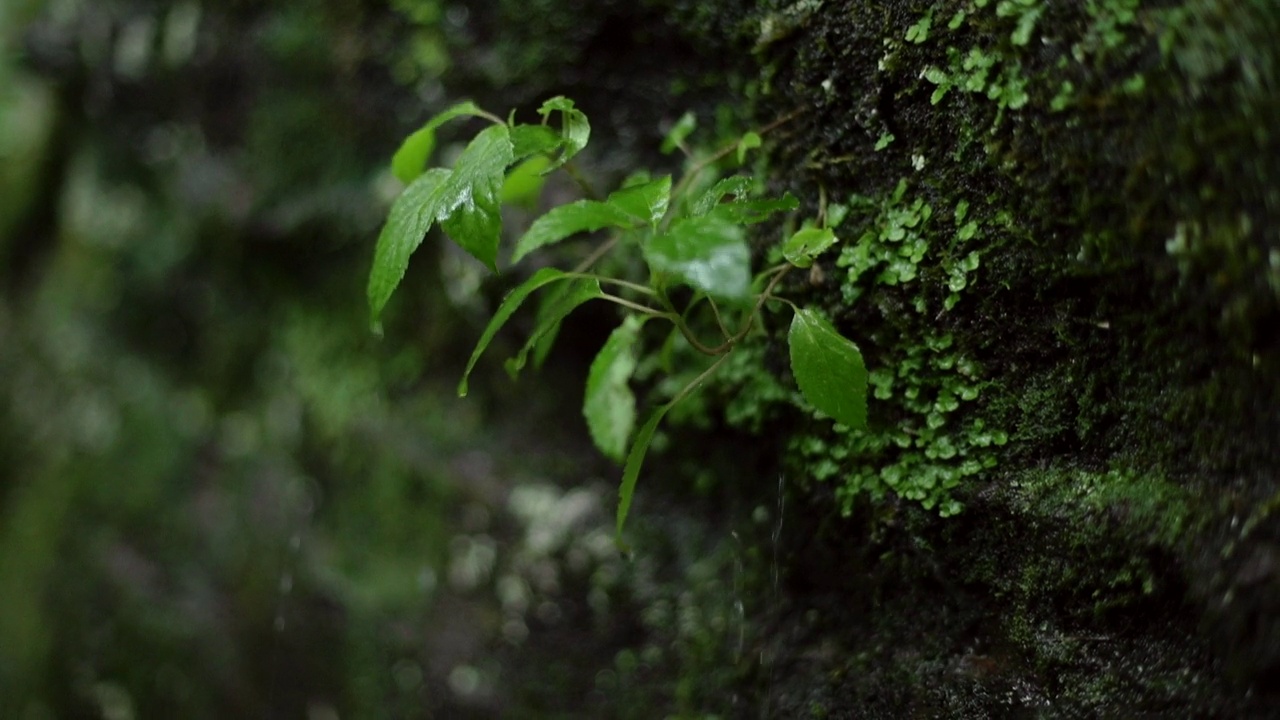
(715, 310)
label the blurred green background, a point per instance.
(220, 495)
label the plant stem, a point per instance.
(694, 383)
(595, 255)
(581, 181)
(760, 301)
(715, 310)
(636, 287)
(645, 309)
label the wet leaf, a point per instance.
(624, 209)
(647, 202)
(472, 196)
(578, 292)
(828, 368)
(411, 158)
(609, 405)
(575, 130)
(631, 471)
(568, 220)
(509, 305)
(806, 244)
(707, 253)
(411, 216)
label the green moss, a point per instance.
(925, 438)
(1109, 162)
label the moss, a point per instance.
(1117, 326)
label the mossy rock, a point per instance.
(1105, 372)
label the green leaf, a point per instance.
(566, 220)
(578, 292)
(411, 159)
(707, 253)
(828, 368)
(807, 244)
(508, 307)
(574, 128)
(631, 471)
(625, 209)
(524, 183)
(411, 216)
(547, 338)
(635, 457)
(609, 405)
(739, 186)
(471, 214)
(919, 32)
(529, 140)
(750, 141)
(546, 341)
(647, 202)
(749, 212)
(679, 132)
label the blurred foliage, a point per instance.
(220, 496)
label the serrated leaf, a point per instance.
(567, 220)
(411, 158)
(529, 140)
(640, 446)
(707, 253)
(547, 338)
(472, 200)
(578, 292)
(806, 244)
(542, 348)
(676, 136)
(575, 130)
(509, 305)
(609, 406)
(828, 368)
(411, 216)
(738, 186)
(646, 202)
(631, 471)
(625, 209)
(750, 141)
(750, 212)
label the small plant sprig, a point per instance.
(691, 237)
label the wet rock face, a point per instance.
(1120, 324)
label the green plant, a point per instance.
(691, 236)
